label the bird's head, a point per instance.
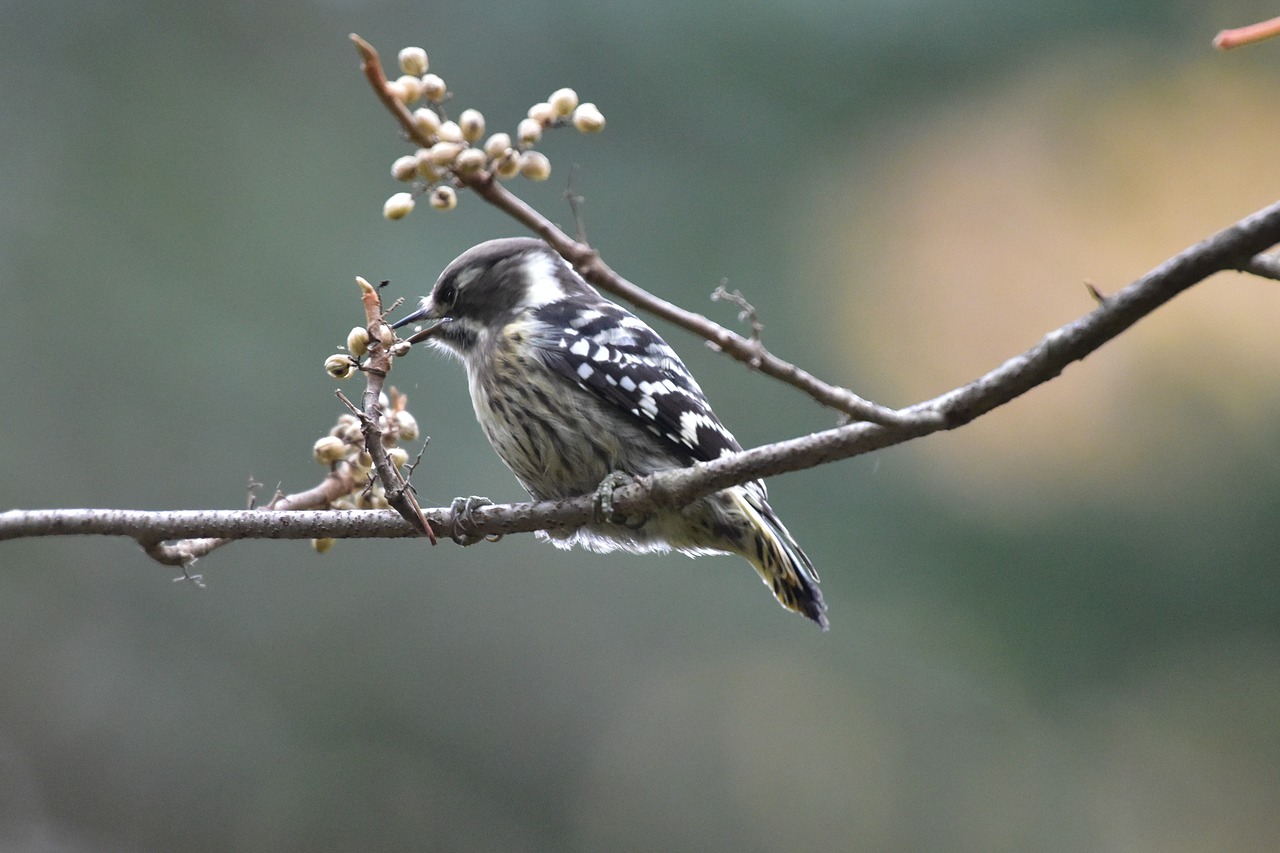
(489, 286)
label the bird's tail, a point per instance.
(780, 562)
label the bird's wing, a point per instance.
(609, 352)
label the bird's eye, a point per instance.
(445, 295)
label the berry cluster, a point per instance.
(456, 150)
(343, 452)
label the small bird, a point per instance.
(571, 390)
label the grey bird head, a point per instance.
(490, 285)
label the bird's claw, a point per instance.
(464, 524)
(604, 510)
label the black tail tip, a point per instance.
(817, 612)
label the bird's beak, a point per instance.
(420, 314)
(426, 312)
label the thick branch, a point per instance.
(1230, 249)
(1237, 247)
(187, 551)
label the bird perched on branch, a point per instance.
(571, 389)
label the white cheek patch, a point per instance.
(544, 287)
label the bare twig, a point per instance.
(746, 311)
(1241, 36)
(575, 207)
(399, 494)
(1266, 266)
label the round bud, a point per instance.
(426, 121)
(588, 119)
(322, 546)
(413, 60)
(426, 169)
(405, 168)
(329, 450)
(401, 348)
(535, 166)
(450, 132)
(529, 131)
(397, 91)
(444, 198)
(385, 335)
(507, 165)
(495, 145)
(411, 86)
(564, 101)
(542, 113)
(351, 434)
(433, 88)
(339, 365)
(443, 153)
(398, 206)
(472, 124)
(470, 160)
(406, 425)
(358, 341)
(360, 461)
(399, 456)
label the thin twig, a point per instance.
(1240, 36)
(1266, 266)
(746, 311)
(375, 369)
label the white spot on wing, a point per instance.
(584, 318)
(585, 370)
(582, 346)
(689, 424)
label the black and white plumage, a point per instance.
(569, 388)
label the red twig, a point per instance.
(1227, 39)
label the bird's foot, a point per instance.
(604, 510)
(464, 532)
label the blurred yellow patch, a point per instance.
(975, 237)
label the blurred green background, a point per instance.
(1056, 629)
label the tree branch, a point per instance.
(1265, 266)
(399, 493)
(1237, 247)
(1229, 249)
(1251, 34)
